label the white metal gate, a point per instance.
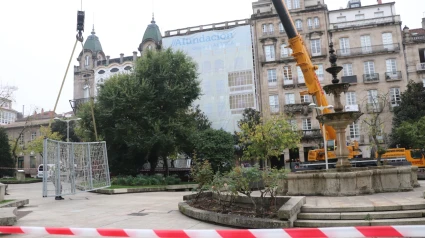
(69, 166)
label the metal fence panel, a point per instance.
(70, 167)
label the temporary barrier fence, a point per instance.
(72, 166)
(340, 232)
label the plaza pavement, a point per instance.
(154, 210)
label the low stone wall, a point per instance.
(355, 182)
(287, 213)
(129, 190)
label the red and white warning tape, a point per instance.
(368, 231)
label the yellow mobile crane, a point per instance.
(303, 60)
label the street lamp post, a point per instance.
(325, 144)
(67, 125)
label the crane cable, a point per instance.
(79, 37)
(63, 81)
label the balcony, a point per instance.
(359, 139)
(76, 103)
(289, 82)
(367, 50)
(349, 79)
(393, 76)
(418, 38)
(352, 108)
(364, 22)
(371, 78)
(311, 134)
(302, 108)
(420, 67)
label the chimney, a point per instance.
(423, 23)
(134, 55)
(121, 58)
(107, 60)
(379, 1)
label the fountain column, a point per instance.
(339, 120)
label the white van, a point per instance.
(40, 170)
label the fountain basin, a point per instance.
(355, 181)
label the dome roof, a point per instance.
(92, 43)
(152, 33)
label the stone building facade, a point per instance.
(95, 67)
(368, 42)
(27, 129)
(414, 49)
(280, 81)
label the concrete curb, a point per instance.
(15, 203)
(8, 216)
(231, 220)
(129, 190)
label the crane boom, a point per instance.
(303, 60)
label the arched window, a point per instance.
(299, 25)
(86, 62)
(101, 71)
(114, 70)
(309, 23)
(316, 22)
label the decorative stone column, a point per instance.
(339, 120)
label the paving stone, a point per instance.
(380, 215)
(405, 221)
(330, 223)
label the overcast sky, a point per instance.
(38, 35)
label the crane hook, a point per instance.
(80, 25)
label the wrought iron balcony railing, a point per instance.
(371, 78)
(420, 67)
(366, 50)
(311, 134)
(302, 108)
(349, 79)
(393, 76)
(364, 22)
(76, 103)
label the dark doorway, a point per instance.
(294, 155)
(278, 163)
(306, 150)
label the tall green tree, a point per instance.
(6, 159)
(410, 110)
(251, 118)
(268, 139)
(139, 114)
(216, 146)
(411, 134)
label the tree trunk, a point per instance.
(166, 173)
(153, 161)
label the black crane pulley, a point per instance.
(80, 25)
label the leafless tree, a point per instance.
(374, 120)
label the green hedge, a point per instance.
(142, 180)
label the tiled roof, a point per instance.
(419, 31)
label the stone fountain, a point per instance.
(339, 120)
(345, 180)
